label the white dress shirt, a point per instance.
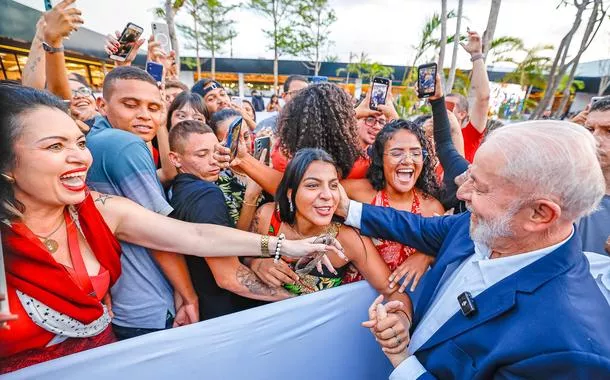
(475, 274)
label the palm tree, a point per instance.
(456, 41)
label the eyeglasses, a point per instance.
(416, 155)
(83, 91)
(371, 121)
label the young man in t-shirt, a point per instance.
(473, 120)
(142, 299)
(224, 285)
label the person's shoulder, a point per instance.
(430, 205)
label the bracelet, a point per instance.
(278, 247)
(244, 203)
(477, 56)
(265, 246)
(408, 319)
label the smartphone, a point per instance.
(379, 92)
(3, 289)
(233, 136)
(426, 80)
(161, 33)
(261, 144)
(48, 5)
(596, 99)
(155, 70)
(237, 101)
(127, 41)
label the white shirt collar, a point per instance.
(495, 270)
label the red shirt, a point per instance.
(472, 141)
(358, 171)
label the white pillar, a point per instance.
(241, 84)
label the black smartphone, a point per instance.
(379, 92)
(426, 80)
(155, 70)
(261, 144)
(233, 136)
(131, 34)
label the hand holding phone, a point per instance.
(128, 41)
(379, 92)
(161, 33)
(262, 144)
(233, 135)
(426, 80)
(155, 70)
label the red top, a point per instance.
(361, 165)
(472, 141)
(393, 253)
(31, 269)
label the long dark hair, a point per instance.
(292, 178)
(193, 99)
(15, 102)
(321, 116)
(427, 179)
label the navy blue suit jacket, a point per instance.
(548, 320)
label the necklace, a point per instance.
(51, 244)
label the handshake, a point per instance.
(390, 325)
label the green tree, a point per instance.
(216, 27)
(195, 37)
(314, 18)
(168, 13)
(282, 34)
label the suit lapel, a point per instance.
(501, 297)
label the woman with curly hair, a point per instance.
(401, 176)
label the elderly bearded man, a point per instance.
(528, 306)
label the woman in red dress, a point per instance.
(401, 176)
(59, 239)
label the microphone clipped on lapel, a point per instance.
(467, 304)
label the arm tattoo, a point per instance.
(248, 279)
(34, 64)
(102, 198)
(255, 221)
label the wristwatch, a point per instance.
(50, 49)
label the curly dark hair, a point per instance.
(427, 179)
(321, 116)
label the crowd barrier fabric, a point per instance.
(316, 336)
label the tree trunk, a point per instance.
(593, 19)
(197, 47)
(276, 54)
(558, 68)
(456, 44)
(441, 53)
(213, 64)
(603, 85)
(213, 49)
(492, 21)
(171, 26)
(317, 63)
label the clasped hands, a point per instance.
(390, 326)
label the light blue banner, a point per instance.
(316, 336)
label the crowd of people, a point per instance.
(126, 214)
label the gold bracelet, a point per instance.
(265, 246)
(244, 203)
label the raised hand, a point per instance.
(412, 269)
(112, 45)
(60, 22)
(474, 44)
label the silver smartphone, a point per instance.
(130, 36)
(161, 33)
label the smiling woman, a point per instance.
(60, 239)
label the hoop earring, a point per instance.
(8, 178)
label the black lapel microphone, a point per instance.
(467, 305)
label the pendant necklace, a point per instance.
(51, 244)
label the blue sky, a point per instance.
(384, 29)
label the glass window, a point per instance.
(77, 68)
(11, 68)
(97, 76)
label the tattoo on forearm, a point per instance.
(102, 198)
(255, 221)
(249, 280)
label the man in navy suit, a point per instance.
(529, 308)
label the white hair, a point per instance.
(554, 159)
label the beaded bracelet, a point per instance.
(265, 246)
(278, 247)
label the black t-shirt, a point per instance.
(198, 201)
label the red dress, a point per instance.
(393, 253)
(31, 270)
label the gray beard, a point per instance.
(487, 231)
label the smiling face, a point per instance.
(52, 162)
(186, 113)
(368, 128)
(403, 161)
(217, 100)
(318, 195)
(81, 103)
(598, 123)
(195, 156)
(134, 106)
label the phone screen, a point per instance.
(155, 70)
(128, 40)
(379, 92)
(427, 80)
(233, 136)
